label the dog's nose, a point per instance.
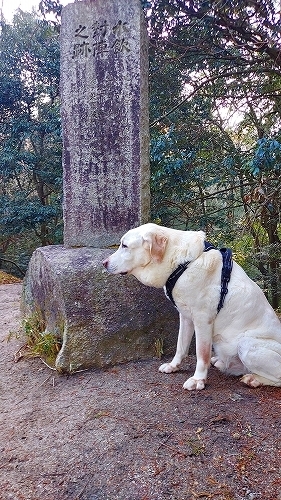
(105, 263)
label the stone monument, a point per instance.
(104, 103)
(101, 319)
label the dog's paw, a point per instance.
(251, 380)
(218, 363)
(192, 383)
(168, 368)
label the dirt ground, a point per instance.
(130, 432)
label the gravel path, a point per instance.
(130, 432)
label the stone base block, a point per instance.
(101, 319)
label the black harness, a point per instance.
(227, 264)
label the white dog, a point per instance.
(214, 297)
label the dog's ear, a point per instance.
(156, 243)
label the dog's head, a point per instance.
(138, 248)
(151, 252)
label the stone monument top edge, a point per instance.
(92, 2)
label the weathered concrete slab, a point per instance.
(101, 319)
(104, 106)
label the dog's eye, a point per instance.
(124, 246)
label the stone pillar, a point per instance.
(104, 94)
(100, 319)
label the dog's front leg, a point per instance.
(185, 335)
(203, 337)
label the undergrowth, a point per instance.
(38, 343)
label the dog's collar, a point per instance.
(225, 274)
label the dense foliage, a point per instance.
(215, 125)
(30, 137)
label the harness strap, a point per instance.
(173, 278)
(227, 264)
(208, 246)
